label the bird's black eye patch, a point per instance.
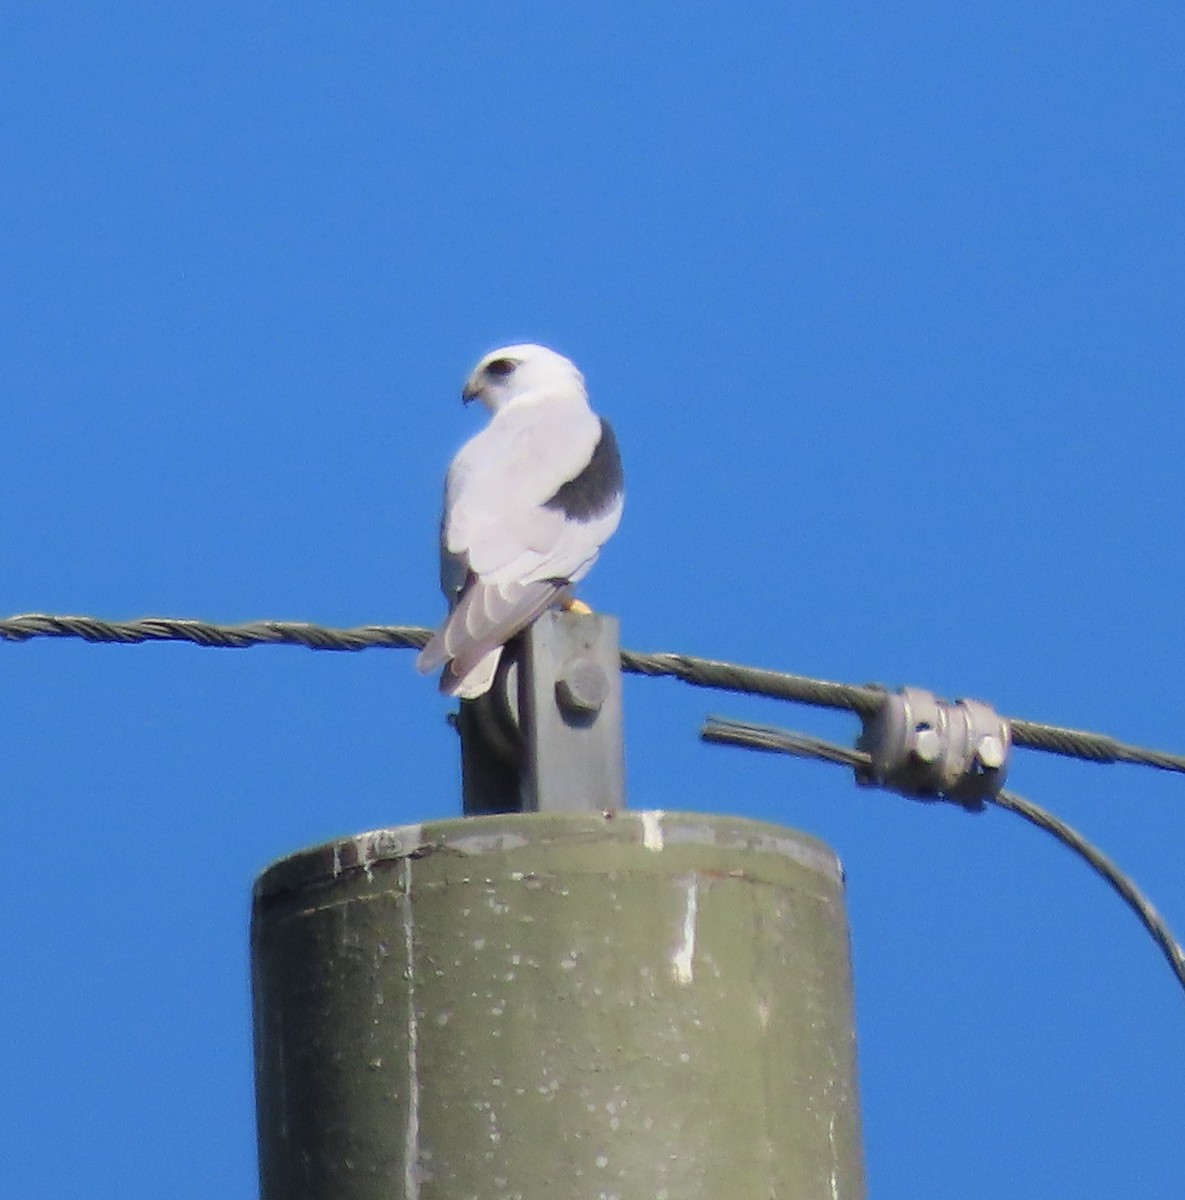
(501, 367)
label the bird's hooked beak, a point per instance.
(472, 391)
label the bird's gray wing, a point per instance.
(496, 495)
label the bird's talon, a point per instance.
(578, 607)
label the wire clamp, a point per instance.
(930, 748)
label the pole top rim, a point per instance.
(649, 839)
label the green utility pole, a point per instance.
(554, 1005)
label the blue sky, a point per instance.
(885, 303)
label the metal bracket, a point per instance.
(547, 737)
(926, 747)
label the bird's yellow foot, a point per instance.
(578, 607)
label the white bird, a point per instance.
(528, 503)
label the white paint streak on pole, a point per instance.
(683, 962)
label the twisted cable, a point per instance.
(863, 700)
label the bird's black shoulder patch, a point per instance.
(594, 490)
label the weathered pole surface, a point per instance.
(552, 1006)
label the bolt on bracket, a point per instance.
(547, 737)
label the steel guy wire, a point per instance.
(725, 731)
(701, 672)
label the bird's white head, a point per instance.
(515, 370)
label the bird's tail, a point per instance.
(485, 619)
(474, 682)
